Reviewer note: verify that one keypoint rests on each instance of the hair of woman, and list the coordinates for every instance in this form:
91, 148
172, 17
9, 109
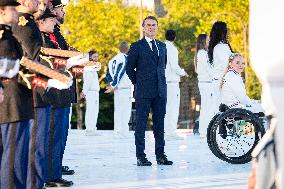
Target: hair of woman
200, 44
231, 58
219, 33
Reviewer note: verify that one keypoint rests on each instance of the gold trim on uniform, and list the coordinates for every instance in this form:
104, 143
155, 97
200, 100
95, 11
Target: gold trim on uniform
22, 21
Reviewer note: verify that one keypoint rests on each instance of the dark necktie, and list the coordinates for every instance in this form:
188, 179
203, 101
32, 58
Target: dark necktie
154, 48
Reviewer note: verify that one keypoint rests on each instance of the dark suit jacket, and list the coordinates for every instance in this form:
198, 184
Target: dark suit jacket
149, 77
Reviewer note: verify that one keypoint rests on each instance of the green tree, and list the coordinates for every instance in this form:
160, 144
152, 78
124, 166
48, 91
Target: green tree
101, 26
192, 17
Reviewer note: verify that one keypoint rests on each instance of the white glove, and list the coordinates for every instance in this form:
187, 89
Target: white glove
14, 71
93, 68
77, 60
3, 66
54, 83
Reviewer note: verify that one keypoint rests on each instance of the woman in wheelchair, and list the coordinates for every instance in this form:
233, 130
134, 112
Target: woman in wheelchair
233, 91
233, 133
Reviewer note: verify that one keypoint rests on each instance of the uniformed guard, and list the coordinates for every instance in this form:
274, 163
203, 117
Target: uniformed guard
57, 9
28, 34
16, 110
46, 24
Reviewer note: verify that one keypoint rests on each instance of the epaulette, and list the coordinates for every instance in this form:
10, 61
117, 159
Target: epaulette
22, 21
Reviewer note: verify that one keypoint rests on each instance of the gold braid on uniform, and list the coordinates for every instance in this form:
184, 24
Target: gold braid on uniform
47, 59
69, 73
25, 78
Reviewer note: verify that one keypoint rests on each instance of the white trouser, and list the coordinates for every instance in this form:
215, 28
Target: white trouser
122, 110
172, 107
206, 111
216, 95
92, 110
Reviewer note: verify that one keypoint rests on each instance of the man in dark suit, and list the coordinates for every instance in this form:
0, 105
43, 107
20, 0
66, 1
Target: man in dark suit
146, 63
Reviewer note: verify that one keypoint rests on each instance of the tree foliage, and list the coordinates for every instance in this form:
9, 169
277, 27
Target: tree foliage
103, 25
192, 17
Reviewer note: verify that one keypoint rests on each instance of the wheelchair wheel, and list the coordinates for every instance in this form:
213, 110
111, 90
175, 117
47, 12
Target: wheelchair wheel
234, 134
210, 141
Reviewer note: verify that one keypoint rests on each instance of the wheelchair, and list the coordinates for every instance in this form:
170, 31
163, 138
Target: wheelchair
233, 133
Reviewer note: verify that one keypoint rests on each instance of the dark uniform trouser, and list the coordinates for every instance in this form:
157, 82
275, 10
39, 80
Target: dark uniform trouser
14, 163
143, 106
55, 144
38, 157
65, 129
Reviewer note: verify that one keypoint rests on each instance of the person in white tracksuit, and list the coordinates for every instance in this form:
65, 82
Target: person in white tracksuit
173, 73
121, 85
219, 51
204, 70
233, 91
90, 91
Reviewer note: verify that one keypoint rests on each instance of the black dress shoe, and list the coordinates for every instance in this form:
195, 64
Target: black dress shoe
67, 171
164, 161
143, 162
59, 183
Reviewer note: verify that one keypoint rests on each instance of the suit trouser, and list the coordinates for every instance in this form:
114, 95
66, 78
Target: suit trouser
206, 111
65, 129
172, 108
143, 106
38, 156
92, 110
122, 110
14, 162
55, 144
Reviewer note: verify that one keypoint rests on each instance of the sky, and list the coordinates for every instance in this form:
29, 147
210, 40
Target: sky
147, 3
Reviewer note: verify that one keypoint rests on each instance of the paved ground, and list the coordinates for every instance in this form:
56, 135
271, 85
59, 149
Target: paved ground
106, 162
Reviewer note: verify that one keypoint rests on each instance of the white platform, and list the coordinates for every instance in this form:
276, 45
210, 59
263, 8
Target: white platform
106, 162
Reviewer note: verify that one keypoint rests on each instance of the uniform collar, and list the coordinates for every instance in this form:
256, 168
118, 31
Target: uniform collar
5, 27
57, 26
5, 30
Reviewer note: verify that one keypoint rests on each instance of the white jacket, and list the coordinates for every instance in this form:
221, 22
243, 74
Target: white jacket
91, 81
173, 70
221, 54
116, 74
203, 67
233, 90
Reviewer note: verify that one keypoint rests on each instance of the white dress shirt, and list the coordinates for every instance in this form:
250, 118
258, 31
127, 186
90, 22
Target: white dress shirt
221, 54
203, 67
150, 44
173, 70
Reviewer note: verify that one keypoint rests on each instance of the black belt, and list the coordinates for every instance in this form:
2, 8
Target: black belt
3, 79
